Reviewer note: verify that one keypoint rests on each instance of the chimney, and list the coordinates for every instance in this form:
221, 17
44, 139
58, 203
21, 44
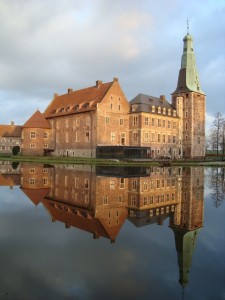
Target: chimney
12, 123
98, 83
55, 95
115, 79
162, 98
70, 91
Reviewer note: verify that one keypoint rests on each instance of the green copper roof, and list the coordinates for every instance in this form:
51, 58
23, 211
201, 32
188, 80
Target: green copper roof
188, 76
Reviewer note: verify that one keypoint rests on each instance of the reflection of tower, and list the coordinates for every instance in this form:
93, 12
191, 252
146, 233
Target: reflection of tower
190, 219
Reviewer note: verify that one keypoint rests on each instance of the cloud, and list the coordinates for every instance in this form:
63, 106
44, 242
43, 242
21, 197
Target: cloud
48, 46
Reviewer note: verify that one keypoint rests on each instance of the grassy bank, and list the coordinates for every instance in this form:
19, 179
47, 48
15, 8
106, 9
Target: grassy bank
111, 162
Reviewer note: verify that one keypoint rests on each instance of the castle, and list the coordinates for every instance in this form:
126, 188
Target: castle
98, 121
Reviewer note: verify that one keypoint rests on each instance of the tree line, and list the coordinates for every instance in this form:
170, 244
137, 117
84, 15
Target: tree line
215, 138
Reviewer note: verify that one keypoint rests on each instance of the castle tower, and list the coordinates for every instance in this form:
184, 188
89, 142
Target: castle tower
189, 100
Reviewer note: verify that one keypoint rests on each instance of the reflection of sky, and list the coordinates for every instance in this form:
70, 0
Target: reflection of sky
43, 260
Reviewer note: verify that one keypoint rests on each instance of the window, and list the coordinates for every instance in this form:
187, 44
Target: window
146, 121
121, 122
33, 135
88, 121
45, 146
169, 139
134, 184
164, 111
76, 182
159, 138
158, 183
159, 123
45, 135
77, 122
151, 184
32, 181
159, 110
107, 120
153, 121
105, 200
145, 185
112, 184
86, 183
199, 140
146, 137
153, 108
32, 170
87, 136
164, 124
122, 183
45, 180
151, 200
164, 138
135, 121
32, 146
113, 136
133, 200
135, 137
174, 139
153, 137
168, 124
145, 200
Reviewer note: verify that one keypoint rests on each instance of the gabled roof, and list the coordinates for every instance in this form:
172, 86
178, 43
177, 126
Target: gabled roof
10, 131
37, 120
78, 101
36, 195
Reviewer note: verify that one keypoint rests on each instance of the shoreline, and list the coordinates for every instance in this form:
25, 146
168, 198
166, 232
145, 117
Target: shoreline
112, 162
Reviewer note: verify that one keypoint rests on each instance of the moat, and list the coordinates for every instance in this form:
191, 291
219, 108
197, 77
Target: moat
91, 232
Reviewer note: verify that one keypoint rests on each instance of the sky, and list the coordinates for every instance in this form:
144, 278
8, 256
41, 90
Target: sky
50, 46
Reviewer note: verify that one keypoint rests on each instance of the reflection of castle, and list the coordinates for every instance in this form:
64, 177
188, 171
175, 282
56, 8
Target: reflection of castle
100, 199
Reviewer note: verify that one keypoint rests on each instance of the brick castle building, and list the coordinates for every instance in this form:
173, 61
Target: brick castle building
98, 121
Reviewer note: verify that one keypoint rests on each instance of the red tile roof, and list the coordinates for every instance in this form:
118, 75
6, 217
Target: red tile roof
36, 195
10, 131
37, 120
81, 100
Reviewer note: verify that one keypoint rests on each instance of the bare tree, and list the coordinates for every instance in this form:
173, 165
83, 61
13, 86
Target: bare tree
217, 131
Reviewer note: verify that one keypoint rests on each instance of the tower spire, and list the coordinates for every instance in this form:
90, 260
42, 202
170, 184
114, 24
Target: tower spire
188, 76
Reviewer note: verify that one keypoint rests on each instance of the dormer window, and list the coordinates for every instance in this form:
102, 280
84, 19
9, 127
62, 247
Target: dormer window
76, 107
174, 113
159, 110
86, 105
61, 109
169, 112
153, 108
68, 108
134, 107
164, 111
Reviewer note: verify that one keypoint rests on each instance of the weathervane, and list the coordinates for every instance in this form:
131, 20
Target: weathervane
187, 26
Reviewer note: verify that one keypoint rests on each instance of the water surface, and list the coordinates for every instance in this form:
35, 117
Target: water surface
85, 232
